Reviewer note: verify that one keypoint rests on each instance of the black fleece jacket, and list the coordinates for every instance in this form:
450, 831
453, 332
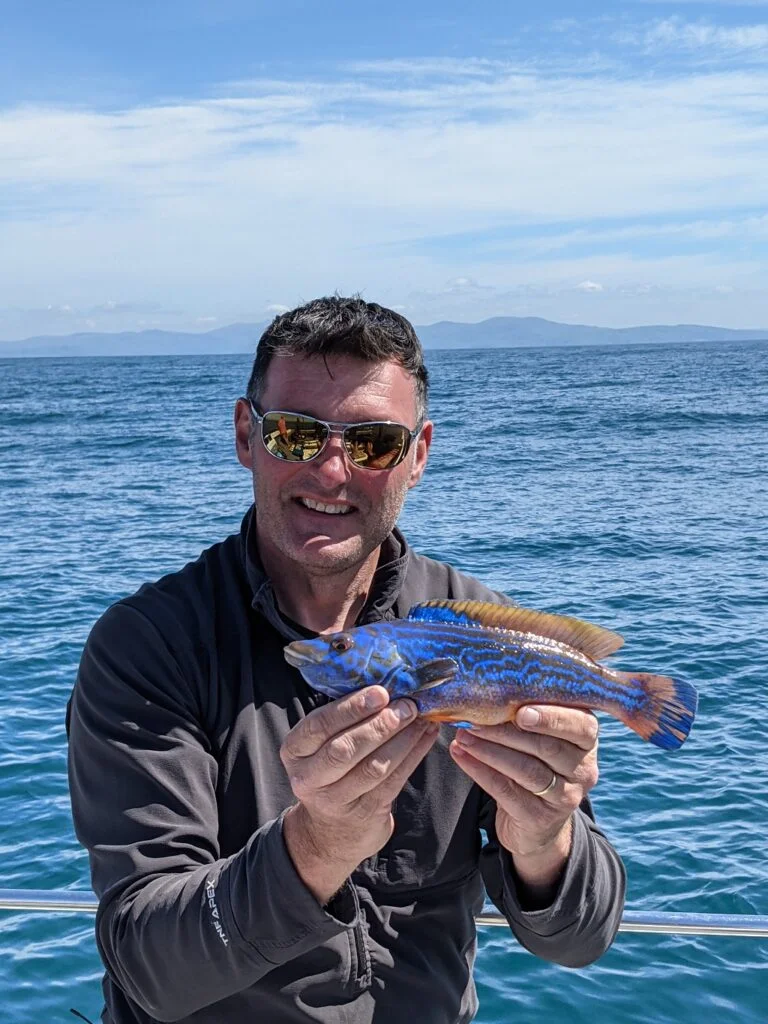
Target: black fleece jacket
182, 700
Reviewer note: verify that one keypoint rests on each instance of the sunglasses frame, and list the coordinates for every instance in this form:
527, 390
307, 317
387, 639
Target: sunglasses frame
336, 427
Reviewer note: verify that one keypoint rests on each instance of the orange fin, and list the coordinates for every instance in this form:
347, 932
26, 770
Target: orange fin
594, 641
665, 716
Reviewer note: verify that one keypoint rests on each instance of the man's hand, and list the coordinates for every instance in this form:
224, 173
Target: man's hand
538, 770
346, 762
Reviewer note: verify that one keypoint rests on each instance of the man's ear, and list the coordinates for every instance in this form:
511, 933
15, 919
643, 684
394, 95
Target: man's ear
243, 424
423, 441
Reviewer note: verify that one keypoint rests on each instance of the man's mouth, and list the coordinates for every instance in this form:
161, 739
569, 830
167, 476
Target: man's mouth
331, 508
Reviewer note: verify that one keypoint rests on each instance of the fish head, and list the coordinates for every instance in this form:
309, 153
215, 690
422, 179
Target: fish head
338, 663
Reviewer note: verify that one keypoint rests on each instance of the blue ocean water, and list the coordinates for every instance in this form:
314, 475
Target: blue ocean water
624, 485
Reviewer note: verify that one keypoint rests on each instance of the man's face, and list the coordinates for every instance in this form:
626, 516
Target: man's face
369, 501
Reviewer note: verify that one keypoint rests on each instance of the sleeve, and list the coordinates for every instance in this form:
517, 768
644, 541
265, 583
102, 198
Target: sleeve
178, 926
584, 917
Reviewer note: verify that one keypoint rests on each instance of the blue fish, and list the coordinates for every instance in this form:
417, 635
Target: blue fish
473, 663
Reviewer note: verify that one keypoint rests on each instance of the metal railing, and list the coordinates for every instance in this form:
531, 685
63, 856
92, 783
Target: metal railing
62, 901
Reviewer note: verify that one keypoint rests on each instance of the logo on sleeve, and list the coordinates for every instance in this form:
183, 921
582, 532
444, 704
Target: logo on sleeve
210, 895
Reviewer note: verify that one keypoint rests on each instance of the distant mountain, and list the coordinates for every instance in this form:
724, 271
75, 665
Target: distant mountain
519, 331
498, 332
234, 339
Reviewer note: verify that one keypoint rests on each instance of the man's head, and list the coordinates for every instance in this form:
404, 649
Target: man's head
341, 326
341, 361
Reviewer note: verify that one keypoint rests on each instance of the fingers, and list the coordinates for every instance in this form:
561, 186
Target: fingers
385, 769
348, 749
510, 782
320, 725
551, 754
501, 786
529, 773
573, 725
563, 748
360, 755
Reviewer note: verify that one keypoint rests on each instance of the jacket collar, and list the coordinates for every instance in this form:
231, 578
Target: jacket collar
387, 580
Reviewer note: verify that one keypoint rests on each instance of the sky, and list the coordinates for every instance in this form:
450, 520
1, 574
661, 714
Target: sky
186, 165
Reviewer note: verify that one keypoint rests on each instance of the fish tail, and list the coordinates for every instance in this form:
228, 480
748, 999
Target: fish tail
665, 711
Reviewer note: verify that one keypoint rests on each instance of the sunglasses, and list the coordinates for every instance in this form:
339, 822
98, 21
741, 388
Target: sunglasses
296, 437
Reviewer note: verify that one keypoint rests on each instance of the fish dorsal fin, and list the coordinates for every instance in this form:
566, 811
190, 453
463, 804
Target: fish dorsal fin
594, 641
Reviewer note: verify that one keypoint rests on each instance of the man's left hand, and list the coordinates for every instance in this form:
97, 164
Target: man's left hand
538, 770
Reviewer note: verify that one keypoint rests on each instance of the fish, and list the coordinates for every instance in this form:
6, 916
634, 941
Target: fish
475, 663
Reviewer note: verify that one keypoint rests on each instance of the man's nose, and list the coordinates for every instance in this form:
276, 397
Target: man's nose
332, 464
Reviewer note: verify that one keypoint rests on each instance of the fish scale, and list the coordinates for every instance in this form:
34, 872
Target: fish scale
479, 654
521, 669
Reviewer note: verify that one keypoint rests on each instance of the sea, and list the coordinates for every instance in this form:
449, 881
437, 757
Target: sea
624, 485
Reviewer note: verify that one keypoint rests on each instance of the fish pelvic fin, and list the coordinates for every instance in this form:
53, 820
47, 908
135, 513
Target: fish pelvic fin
666, 715
594, 641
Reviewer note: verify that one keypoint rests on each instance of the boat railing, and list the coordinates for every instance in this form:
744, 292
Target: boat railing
65, 901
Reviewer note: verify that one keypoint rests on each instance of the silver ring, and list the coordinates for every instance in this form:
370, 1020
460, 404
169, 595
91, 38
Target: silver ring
549, 788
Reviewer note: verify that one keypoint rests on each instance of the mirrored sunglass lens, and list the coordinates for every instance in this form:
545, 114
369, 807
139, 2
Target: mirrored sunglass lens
291, 437
376, 445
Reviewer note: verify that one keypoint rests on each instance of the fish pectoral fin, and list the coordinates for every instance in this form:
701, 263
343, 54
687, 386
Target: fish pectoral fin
434, 673
594, 641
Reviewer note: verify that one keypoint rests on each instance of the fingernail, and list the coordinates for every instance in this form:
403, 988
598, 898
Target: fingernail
404, 709
465, 738
528, 717
375, 698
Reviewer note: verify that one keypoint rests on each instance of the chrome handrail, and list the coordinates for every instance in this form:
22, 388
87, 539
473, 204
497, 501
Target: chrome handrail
660, 923
50, 901
65, 901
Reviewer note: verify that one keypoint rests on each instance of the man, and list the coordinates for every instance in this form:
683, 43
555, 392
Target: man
261, 853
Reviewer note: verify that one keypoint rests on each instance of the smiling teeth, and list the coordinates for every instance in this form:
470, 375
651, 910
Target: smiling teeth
318, 506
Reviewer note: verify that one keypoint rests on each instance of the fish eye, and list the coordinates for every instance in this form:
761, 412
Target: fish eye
342, 643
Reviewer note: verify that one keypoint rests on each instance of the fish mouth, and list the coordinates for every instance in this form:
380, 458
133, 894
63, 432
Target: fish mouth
300, 653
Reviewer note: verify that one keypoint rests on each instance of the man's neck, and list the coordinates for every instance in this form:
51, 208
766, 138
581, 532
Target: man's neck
324, 603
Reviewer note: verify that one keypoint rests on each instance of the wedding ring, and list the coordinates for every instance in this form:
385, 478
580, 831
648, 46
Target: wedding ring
549, 788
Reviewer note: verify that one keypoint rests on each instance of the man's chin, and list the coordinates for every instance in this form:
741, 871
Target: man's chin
332, 554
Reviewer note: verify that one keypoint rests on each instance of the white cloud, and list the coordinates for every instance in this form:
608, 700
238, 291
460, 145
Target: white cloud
677, 33
455, 67
622, 237
429, 171
589, 286
465, 286
299, 188
634, 302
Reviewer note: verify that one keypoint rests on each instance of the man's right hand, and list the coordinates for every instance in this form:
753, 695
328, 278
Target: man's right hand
346, 762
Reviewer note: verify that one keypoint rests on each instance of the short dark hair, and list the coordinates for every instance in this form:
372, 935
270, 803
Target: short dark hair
335, 325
